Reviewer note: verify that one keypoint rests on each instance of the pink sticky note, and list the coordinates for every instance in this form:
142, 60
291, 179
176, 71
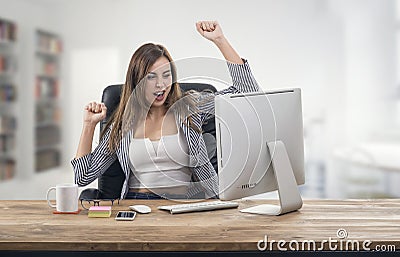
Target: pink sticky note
100, 208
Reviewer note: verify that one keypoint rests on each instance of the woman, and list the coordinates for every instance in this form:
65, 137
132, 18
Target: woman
155, 132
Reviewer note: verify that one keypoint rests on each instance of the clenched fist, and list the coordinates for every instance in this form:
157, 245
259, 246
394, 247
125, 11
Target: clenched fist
94, 113
210, 30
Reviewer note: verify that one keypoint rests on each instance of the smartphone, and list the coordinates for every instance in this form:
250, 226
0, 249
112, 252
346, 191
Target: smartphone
125, 215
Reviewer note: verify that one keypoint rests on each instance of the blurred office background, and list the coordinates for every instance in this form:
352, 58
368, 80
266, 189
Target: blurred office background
57, 55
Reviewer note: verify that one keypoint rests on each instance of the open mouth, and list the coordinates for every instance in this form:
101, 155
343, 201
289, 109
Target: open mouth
159, 95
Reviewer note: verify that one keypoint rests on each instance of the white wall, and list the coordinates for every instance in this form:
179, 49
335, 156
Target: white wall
312, 44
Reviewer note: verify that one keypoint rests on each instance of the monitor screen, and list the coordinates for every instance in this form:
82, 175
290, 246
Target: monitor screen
255, 133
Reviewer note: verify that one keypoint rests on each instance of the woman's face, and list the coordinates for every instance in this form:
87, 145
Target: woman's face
158, 82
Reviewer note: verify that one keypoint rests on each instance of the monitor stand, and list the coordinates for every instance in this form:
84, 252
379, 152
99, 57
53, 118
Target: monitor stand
289, 196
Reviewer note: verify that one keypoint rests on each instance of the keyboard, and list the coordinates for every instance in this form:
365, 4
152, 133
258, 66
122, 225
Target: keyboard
200, 206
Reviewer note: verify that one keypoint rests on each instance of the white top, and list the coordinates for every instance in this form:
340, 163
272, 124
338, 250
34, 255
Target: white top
161, 163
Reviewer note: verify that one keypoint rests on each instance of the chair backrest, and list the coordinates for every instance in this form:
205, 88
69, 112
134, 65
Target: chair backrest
110, 183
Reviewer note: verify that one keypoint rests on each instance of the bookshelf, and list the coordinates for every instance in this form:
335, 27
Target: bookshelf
47, 100
8, 97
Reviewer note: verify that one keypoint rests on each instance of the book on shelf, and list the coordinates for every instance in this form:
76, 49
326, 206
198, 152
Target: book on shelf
99, 212
8, 31
7, 169
8, 124
48, 135
2, 63
47, 158
47, 67
46, 88
48, 43
7, 143
7, 64
8, 92
47, 113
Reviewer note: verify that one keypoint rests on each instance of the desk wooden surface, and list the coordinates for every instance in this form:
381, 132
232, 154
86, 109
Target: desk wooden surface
30, 225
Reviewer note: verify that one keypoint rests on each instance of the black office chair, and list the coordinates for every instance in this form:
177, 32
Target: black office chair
110, 183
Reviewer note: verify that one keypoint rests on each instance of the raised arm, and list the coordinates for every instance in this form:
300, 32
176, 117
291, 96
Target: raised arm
242, 78
212, 31
88, 165
93, 114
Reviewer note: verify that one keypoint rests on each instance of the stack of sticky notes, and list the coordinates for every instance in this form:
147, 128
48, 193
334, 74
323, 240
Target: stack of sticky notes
99, 212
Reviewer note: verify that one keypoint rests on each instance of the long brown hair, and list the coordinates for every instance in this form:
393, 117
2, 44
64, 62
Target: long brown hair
133, 106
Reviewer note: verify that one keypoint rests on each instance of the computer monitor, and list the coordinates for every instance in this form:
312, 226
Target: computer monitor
260, 147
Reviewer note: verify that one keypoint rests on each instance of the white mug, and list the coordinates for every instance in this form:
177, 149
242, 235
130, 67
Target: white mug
66, 197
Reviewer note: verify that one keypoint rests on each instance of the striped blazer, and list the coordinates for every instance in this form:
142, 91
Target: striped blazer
204, 178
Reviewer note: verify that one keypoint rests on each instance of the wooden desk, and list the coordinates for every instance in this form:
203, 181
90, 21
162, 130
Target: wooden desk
30, 225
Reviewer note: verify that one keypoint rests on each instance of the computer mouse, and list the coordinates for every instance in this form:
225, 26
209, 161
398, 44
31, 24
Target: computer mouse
140, 208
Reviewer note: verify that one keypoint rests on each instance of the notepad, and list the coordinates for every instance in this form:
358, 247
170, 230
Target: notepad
99, 212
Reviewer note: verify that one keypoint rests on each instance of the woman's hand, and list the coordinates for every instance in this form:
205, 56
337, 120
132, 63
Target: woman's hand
211, 30
94, 113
